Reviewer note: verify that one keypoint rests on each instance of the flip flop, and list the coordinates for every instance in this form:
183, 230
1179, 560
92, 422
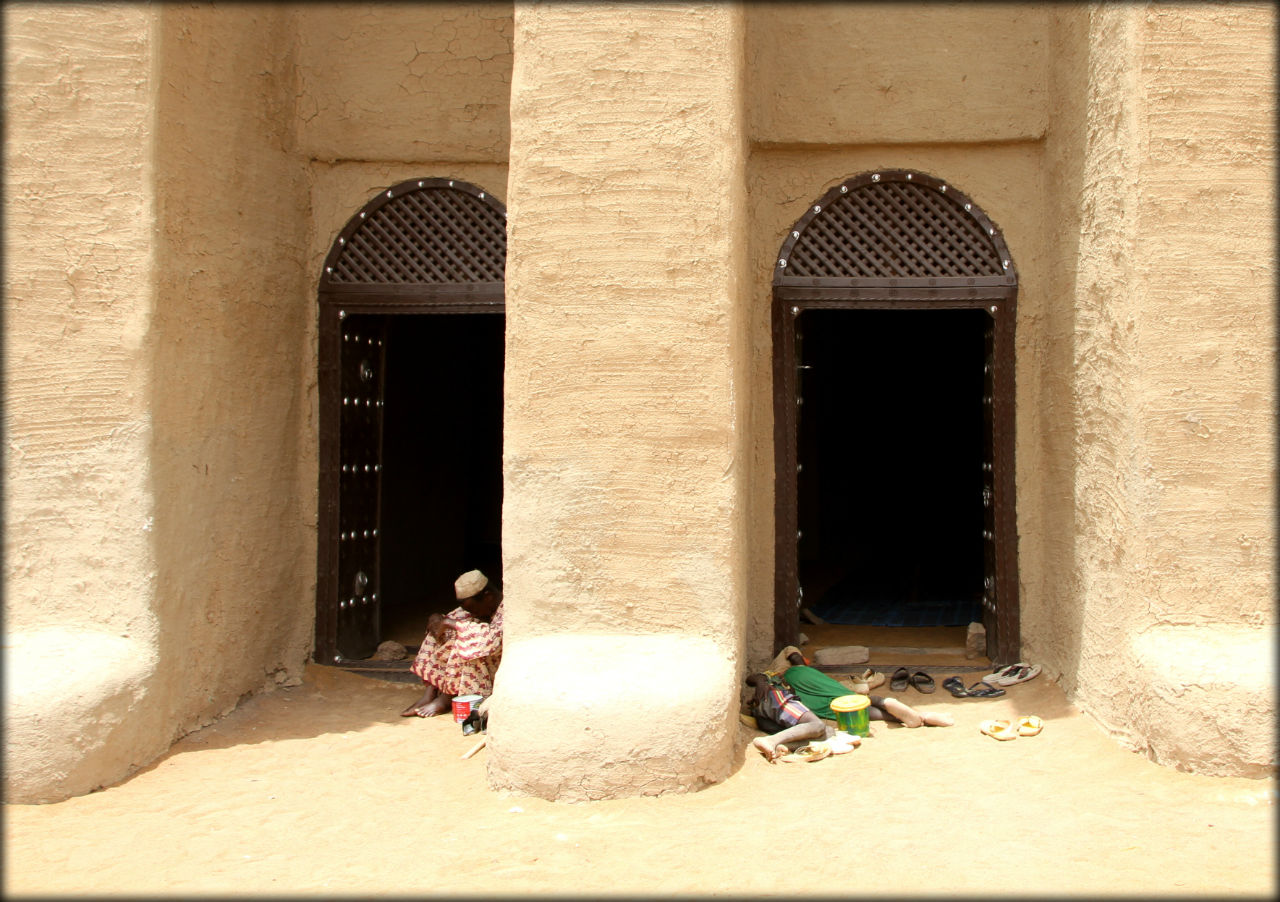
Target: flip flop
1000, 673
1020, 674
984, 690
1029, 725
900, 680
999, 729
840, 743
923, 682
808, 754
955, 687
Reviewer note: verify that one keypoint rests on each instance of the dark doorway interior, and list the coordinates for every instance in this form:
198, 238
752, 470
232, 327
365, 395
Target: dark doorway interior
441, 504
890, 445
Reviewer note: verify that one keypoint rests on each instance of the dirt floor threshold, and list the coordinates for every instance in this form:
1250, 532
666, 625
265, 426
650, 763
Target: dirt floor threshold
278, 797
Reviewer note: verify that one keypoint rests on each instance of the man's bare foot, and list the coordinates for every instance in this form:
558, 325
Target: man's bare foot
909, 716
412, 710
937, 719
438, 705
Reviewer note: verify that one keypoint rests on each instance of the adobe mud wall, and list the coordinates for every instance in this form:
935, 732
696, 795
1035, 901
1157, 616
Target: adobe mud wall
161, 360
175, 177
227, 338
156, 343
623, 511
1162, 165
79, 512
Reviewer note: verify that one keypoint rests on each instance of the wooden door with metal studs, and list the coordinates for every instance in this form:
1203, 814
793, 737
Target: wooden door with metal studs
900, 240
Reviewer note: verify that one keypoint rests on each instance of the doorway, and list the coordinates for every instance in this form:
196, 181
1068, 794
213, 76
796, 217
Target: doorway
894, 310
411, 358
889, 453
441, 487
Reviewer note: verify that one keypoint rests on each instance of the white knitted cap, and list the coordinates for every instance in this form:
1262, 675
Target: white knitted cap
470, 584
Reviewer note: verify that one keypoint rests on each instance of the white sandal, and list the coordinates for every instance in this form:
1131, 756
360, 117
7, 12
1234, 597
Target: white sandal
1029, 725
999, 729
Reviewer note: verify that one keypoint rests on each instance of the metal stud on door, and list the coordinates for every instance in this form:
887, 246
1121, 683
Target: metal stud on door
990, 599
359, 494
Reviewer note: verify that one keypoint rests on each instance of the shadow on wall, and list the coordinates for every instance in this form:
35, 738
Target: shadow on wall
233, 556
1053, 621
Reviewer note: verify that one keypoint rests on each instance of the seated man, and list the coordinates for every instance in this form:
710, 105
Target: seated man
778, 712
816, 691
461, 651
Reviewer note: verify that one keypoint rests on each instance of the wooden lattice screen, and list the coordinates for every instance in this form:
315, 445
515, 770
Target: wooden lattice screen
423, 231
894, 228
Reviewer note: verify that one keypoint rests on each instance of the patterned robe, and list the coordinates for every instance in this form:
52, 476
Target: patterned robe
465, 662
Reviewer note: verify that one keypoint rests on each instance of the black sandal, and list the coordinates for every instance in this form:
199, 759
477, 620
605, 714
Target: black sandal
955, 687
923, 682
984, 690
900, 680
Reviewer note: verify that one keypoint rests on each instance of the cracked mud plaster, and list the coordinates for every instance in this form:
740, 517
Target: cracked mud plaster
405, 82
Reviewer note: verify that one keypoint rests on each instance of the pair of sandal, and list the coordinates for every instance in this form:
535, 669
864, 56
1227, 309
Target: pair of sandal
981, 689
1004, 730
902, 678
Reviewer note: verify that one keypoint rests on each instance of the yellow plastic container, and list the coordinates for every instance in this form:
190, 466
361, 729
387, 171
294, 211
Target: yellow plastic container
852, 714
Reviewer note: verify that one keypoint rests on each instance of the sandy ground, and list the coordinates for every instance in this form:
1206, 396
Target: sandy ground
323, 789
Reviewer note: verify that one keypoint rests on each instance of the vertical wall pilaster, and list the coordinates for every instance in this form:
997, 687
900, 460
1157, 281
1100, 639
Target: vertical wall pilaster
1171, 167
626, 350
79, 556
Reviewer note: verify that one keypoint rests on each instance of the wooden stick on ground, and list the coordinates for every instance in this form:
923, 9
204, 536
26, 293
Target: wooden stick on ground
475, 748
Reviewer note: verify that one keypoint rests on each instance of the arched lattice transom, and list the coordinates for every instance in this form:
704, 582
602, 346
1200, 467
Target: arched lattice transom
423, 231
893, 225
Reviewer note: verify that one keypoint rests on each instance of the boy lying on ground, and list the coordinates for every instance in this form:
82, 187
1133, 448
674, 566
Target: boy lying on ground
816, 691
790, 706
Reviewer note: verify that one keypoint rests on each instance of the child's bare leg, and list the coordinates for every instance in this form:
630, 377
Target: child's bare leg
809, 727
908, 715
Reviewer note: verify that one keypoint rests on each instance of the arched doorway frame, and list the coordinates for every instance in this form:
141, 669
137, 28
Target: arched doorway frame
422, 246
893, 240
